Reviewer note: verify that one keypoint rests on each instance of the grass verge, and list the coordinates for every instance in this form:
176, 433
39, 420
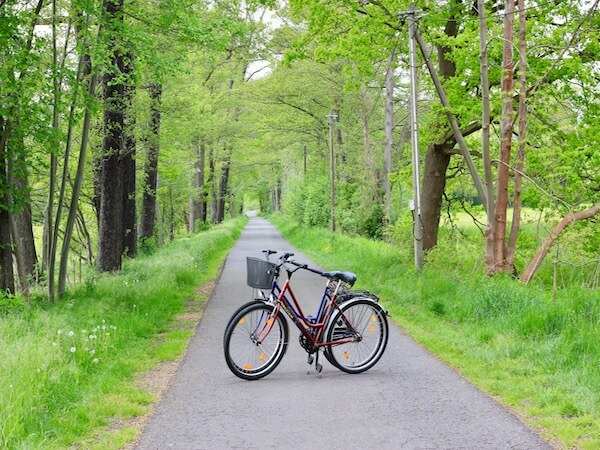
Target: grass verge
68, 370
538, 355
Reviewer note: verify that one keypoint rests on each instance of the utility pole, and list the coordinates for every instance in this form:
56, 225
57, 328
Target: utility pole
416, 207
332, 120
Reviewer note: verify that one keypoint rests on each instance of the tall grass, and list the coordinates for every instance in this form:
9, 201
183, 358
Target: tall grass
535, 350
66, 368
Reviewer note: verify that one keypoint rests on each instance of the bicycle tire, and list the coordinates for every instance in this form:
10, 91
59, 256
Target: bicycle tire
254, 347
369, 319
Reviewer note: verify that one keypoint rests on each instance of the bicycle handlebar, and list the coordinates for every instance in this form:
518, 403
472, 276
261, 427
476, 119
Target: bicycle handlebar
284, 259
305, 267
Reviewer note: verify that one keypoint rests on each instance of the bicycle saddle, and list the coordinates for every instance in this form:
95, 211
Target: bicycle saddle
346, 277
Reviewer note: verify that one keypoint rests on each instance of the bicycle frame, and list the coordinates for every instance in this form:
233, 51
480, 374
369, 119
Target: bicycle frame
311, 327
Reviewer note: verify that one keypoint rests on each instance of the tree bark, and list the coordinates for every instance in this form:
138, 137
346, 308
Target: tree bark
506, 128
198, 201
110, 229
223, 188
437, 158
389, 135
485, 136
128, 165
212, 184
7, 277
518, 177
22, 225
148, 214
537, 260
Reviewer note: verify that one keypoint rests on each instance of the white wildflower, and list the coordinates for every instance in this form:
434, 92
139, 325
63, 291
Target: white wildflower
72, 349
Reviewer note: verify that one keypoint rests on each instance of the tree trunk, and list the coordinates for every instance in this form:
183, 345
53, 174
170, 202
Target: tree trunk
22, 227
223, 188
389, 135
211, 183
506, 127
7, 277
537, 260
437, 158
517, 200
84, 72
198, 201
148, 215
373, 179
485, 136
129, 166
110, 229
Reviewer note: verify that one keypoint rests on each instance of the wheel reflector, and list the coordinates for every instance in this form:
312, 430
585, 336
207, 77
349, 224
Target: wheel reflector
242, 321
247, 366
262, 356
346, 355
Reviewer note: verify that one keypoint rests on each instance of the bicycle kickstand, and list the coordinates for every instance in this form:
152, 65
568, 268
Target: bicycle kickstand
318, 366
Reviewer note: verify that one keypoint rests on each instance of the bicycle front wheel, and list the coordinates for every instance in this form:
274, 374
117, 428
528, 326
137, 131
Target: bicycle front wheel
362, 329
255, 341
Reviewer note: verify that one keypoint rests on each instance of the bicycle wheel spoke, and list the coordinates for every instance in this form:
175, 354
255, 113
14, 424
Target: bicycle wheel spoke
255, 341
366, 321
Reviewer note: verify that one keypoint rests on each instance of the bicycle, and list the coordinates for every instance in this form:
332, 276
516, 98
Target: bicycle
350, 327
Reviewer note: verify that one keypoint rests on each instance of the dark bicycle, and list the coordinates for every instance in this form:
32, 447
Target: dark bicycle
350, 327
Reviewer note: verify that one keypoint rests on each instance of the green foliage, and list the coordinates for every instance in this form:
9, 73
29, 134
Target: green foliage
65, 369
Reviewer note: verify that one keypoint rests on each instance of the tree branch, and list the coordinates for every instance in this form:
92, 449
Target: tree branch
531, 91
537, 260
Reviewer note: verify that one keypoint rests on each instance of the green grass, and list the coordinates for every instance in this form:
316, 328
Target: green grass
67, 369
537, 354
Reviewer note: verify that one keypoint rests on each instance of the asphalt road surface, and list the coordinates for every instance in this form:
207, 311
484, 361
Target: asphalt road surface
409, 400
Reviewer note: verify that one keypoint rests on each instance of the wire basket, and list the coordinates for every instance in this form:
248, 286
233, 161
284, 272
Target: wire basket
260, 273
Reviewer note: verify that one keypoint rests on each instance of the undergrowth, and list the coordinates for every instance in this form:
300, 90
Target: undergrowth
535, 349
66, 368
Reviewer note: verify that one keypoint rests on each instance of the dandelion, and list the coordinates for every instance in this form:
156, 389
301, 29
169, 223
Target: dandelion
91, 337
95, 360
72, 349
59, 332
92, 352
54, 344
71, 334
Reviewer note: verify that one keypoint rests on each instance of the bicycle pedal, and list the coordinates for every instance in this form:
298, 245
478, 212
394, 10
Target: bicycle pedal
310, 359
319, 368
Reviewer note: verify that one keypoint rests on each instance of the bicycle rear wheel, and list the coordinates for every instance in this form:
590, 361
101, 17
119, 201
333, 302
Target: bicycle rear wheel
255, 341
365, 323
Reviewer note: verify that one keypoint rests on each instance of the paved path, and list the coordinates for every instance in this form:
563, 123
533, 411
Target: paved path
409, 400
